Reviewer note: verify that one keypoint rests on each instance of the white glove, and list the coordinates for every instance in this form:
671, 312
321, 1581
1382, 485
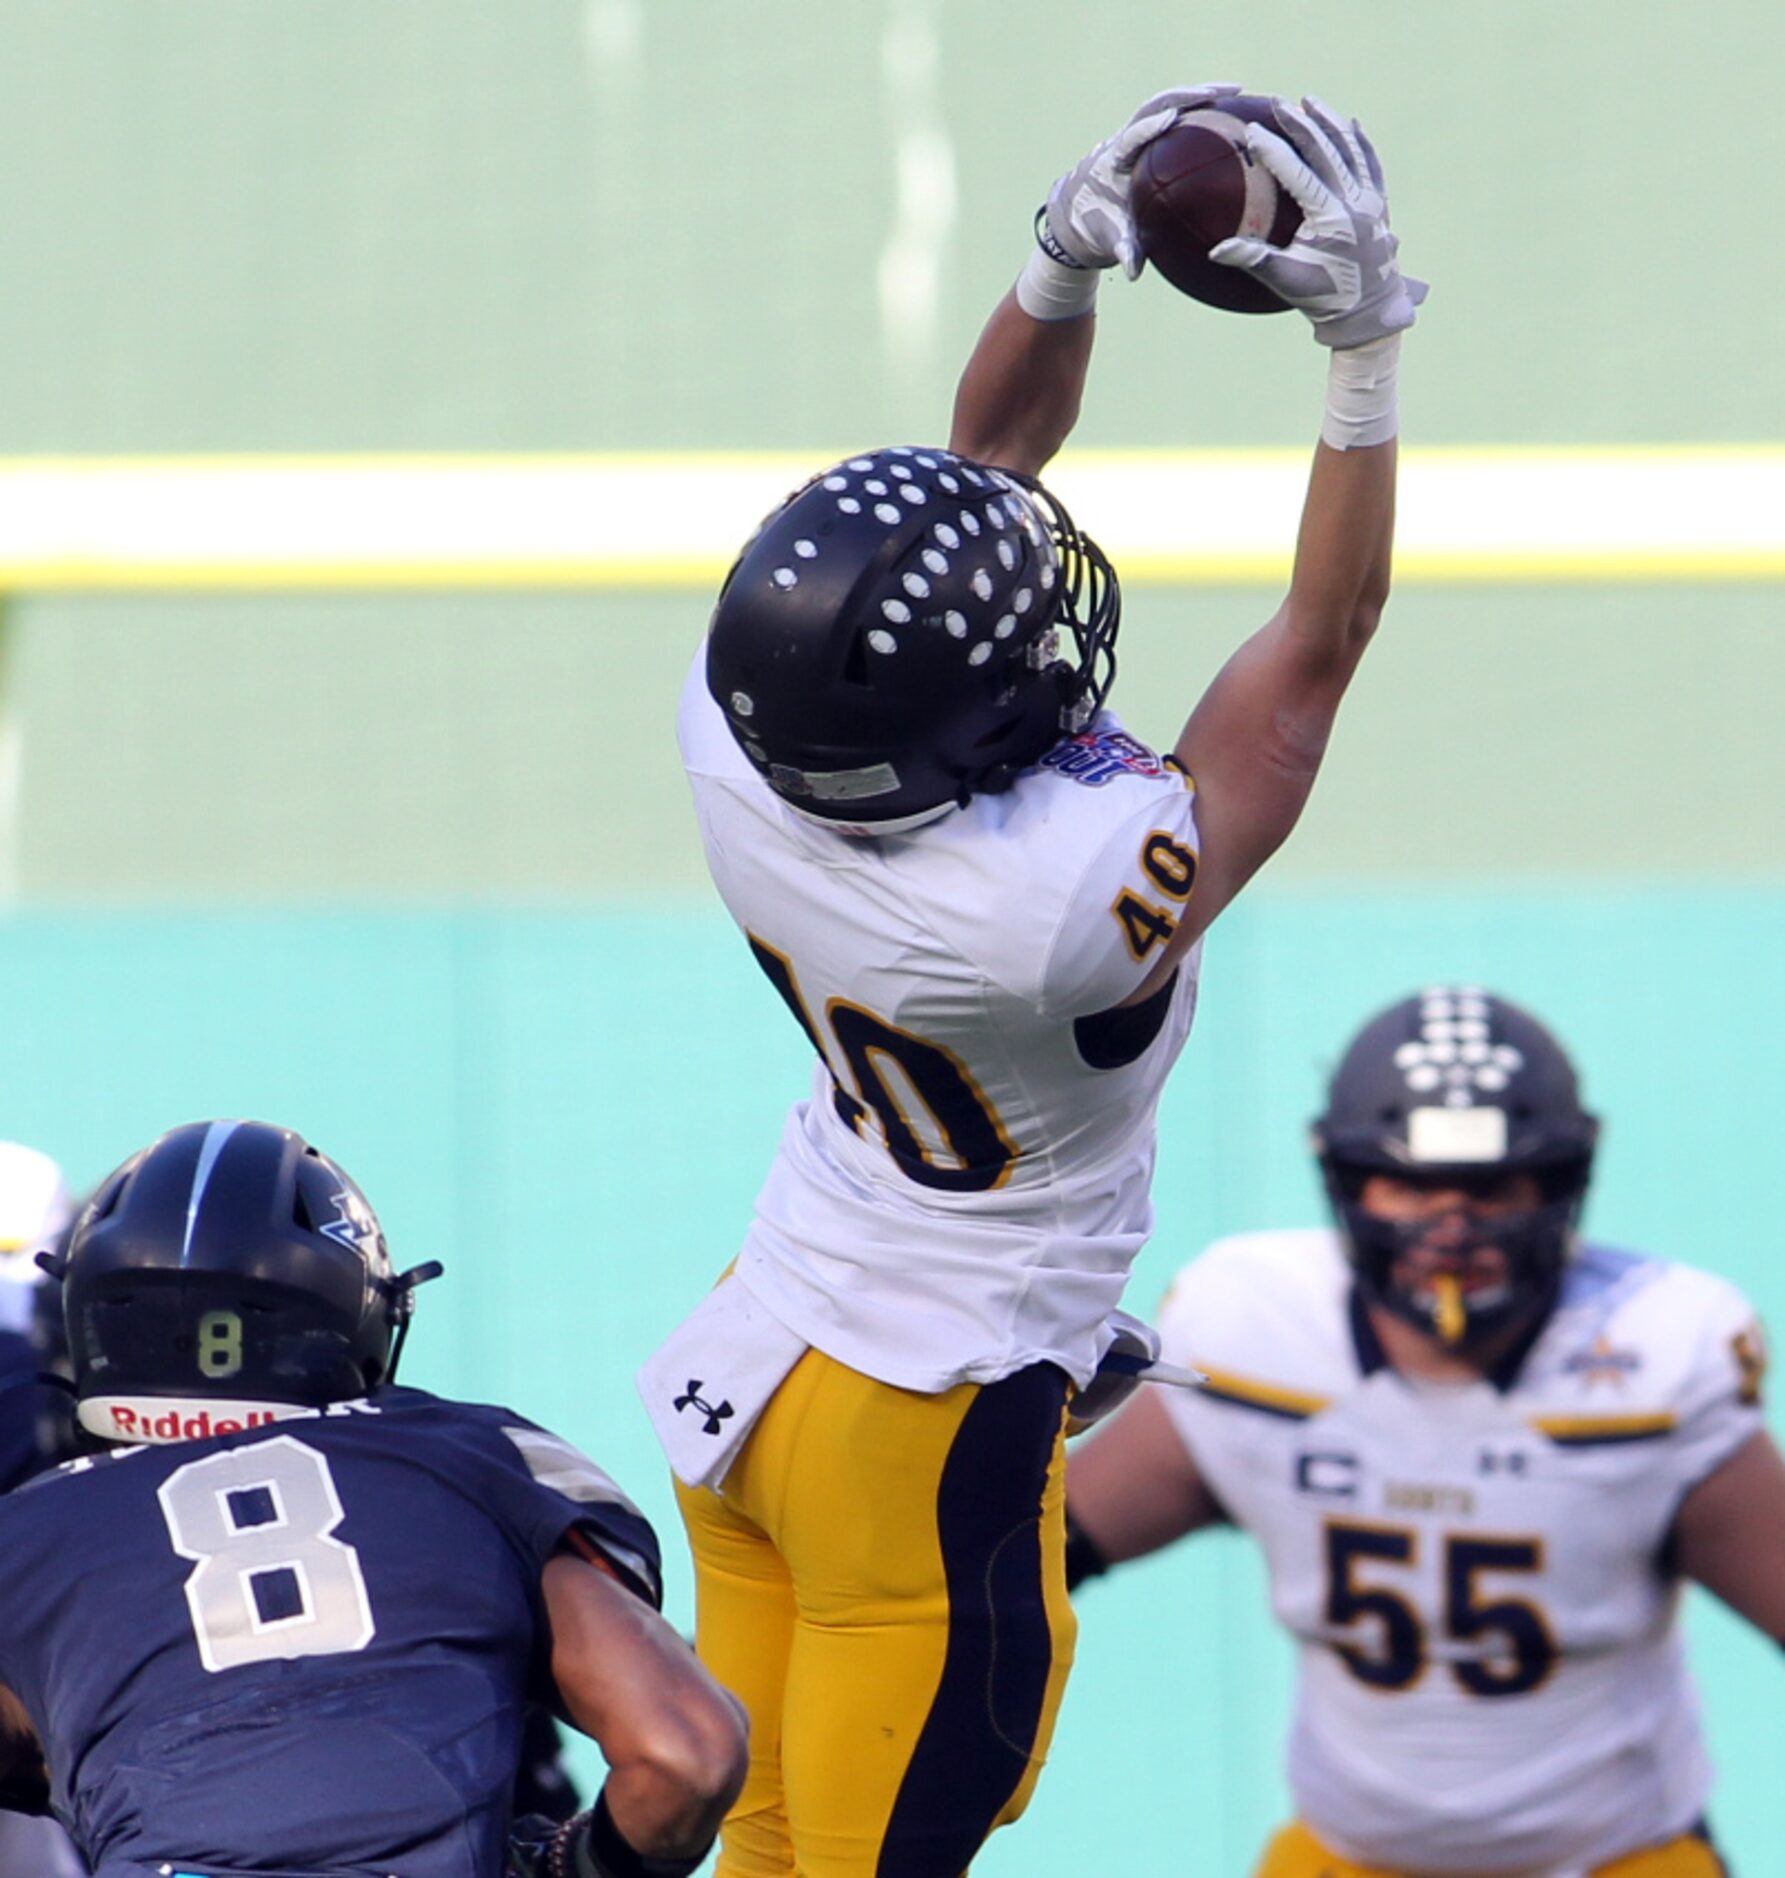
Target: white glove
1133, 1350
1086, 222
1339, 267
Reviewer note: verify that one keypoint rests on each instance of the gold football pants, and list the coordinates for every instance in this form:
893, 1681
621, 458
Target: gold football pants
1296, 1853
881, 1579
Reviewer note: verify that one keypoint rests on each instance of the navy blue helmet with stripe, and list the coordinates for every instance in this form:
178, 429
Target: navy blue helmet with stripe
230, 1260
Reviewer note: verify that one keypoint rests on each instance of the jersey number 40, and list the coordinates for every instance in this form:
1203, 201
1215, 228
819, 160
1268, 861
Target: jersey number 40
934, 1119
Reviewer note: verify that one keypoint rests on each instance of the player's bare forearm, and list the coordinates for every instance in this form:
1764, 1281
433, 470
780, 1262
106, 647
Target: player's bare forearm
1019, 395
1343, 552
675, 1742
1256, 739
1729, 1535
1132, 1487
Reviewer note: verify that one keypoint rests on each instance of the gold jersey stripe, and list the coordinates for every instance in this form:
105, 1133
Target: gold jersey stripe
1583, 1430
1250, 1393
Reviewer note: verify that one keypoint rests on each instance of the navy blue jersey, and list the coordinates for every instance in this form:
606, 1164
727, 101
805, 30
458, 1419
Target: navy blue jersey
18, 1409
302, 1648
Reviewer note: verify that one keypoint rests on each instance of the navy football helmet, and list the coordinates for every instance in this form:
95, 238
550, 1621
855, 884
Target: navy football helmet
1457, 1087
230, 1260
908, 630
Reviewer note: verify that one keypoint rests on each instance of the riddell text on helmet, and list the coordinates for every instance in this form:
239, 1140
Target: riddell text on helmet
194, 1425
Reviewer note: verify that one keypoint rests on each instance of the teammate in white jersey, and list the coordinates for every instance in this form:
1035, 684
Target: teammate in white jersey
1480, 1455
982, 900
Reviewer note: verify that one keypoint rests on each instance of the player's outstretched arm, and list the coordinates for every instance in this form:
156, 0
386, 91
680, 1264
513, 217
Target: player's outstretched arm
1729, 1534
1019, 395
1255, 741
675, 1741
1133, 1487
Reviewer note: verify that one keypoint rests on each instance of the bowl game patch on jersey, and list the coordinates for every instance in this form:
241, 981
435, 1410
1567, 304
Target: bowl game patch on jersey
1096, 757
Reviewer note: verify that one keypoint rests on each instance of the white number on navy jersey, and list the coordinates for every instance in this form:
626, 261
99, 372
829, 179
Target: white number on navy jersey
1520, 1645
269, 1579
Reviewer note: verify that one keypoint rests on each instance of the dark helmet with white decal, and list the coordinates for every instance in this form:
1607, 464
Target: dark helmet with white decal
229, 1261
1458, 1088
908, 630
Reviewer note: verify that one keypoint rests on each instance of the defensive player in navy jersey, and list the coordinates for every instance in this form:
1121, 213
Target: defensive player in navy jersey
288, 1617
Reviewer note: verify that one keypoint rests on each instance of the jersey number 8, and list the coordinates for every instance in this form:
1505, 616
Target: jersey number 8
269, 1579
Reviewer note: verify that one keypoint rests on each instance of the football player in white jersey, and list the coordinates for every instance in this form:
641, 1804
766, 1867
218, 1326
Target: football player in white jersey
1480, 1455
982, 899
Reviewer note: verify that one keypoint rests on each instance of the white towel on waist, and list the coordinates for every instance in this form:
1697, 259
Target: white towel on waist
706, 1385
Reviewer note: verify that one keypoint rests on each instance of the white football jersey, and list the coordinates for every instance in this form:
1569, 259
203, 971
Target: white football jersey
964, 1190
1491, 1675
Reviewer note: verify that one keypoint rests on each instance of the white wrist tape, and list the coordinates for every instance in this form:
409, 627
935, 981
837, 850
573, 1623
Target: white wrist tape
1361, 406
1046, 289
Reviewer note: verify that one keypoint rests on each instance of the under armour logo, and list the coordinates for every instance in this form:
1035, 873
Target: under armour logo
1502, 1461
715, 1413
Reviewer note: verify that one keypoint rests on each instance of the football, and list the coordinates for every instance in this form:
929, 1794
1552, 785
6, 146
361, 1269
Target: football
1196, 185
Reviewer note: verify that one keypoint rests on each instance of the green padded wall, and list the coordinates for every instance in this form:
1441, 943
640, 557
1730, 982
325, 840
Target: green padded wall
659, 224
573, 1111
416, 874
489, 748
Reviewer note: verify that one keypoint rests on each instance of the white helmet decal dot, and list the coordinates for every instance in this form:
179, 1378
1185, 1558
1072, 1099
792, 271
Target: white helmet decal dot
1454, 1051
